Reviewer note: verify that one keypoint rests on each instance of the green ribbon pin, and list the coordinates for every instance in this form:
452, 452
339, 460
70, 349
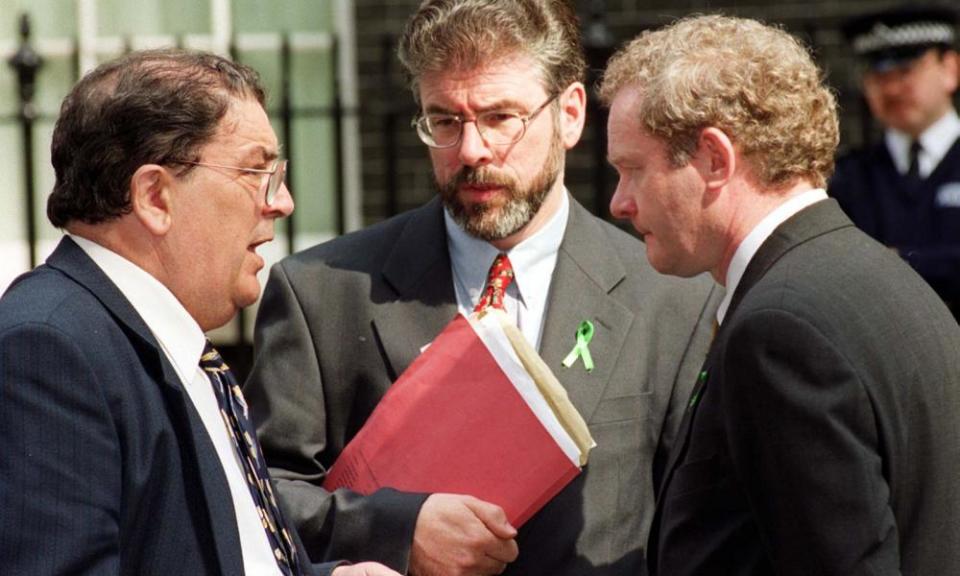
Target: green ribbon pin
581, 349
701, 380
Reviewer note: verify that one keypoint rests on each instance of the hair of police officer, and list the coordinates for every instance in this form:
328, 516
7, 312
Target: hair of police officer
465, 35
149, 107
756, 83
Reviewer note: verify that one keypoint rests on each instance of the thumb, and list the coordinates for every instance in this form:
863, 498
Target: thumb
493, 517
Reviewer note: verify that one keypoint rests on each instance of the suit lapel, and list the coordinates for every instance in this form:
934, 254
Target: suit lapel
213, 480
580, 290
199, 455
815, 220
686, 424
418, 269
676, 454
74, 262
810, 222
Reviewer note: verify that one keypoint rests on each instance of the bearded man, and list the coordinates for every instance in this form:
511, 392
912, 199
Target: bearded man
501, 99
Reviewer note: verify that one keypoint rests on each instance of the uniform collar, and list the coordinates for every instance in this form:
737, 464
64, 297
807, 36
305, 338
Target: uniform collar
935, 142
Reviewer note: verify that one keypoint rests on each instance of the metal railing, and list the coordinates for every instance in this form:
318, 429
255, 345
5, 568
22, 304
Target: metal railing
27, 62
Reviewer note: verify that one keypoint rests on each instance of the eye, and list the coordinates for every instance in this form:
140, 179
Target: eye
494, 118
442, 122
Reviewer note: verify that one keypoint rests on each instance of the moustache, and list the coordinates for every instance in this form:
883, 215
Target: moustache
481, 177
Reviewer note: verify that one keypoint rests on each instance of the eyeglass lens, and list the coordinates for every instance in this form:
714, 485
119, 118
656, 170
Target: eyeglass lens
274, 182
497, 128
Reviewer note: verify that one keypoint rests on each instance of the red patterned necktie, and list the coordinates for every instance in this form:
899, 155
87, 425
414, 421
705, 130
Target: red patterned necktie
498, 279
233, 409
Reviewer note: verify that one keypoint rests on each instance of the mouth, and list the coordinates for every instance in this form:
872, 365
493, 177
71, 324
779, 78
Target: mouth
480, 192
254, 245
252, 248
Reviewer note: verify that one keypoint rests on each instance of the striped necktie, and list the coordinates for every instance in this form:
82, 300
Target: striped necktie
498, 279
233, 410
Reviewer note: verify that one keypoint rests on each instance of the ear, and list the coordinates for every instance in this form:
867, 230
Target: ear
951, 65
151, 198
573, 114
715, 158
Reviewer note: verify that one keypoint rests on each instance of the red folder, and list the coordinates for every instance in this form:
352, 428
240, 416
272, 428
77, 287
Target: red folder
454, 422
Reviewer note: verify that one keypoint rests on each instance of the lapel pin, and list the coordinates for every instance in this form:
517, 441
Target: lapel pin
582, 348
701, 380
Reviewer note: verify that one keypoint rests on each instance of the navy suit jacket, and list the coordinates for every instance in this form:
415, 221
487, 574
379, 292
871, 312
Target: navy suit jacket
106, 467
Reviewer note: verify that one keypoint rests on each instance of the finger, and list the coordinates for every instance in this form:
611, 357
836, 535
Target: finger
487, 565
503, 550
493, 517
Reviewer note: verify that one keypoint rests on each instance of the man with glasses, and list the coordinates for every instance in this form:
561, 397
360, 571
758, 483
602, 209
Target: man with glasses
128, 447
501, 99
905, 190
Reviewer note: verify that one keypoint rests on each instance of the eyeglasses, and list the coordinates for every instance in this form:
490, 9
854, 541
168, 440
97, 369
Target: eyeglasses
495, 127
272, 182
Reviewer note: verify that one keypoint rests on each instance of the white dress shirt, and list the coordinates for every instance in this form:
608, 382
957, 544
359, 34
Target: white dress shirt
748, 248
533, 262
182, 342
935, 142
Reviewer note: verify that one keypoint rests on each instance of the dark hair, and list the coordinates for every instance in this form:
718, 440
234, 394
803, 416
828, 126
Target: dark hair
149, 107
463, 34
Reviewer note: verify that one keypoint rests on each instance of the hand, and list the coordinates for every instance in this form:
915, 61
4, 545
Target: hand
460, 536
364, 569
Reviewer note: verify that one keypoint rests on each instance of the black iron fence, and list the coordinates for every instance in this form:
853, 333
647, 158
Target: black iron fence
396, 170
27, 63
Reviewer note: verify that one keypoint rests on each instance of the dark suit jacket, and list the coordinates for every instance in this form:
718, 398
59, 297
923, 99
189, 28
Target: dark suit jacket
106, 467
339, 323
824, 438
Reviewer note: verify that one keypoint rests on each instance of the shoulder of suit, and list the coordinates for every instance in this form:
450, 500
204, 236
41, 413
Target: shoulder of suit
50, 297
369, 246
618, 243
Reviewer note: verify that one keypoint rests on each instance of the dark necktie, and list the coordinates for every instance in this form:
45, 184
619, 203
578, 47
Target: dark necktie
233, 410
498, 279
913, 170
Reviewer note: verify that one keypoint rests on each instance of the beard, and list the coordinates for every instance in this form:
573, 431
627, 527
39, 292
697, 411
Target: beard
499, 219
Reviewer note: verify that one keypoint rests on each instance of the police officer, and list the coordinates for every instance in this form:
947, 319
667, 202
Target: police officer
905, 190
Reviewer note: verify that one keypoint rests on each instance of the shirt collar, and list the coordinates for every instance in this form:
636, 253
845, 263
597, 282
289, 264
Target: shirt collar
471, 257
178, 333
755, 239
935, 142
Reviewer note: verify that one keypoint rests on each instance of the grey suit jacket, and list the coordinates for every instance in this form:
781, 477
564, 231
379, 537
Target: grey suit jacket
339, 323
824, 437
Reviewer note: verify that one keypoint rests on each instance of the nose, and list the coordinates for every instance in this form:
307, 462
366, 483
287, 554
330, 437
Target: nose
282, 205
622, 206
891, 82
473, 149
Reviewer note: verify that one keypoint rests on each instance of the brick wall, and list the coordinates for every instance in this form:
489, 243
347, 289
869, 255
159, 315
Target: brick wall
402, 180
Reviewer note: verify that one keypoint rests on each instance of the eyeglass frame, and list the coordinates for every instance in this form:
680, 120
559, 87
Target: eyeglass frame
524, 118
273, 181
